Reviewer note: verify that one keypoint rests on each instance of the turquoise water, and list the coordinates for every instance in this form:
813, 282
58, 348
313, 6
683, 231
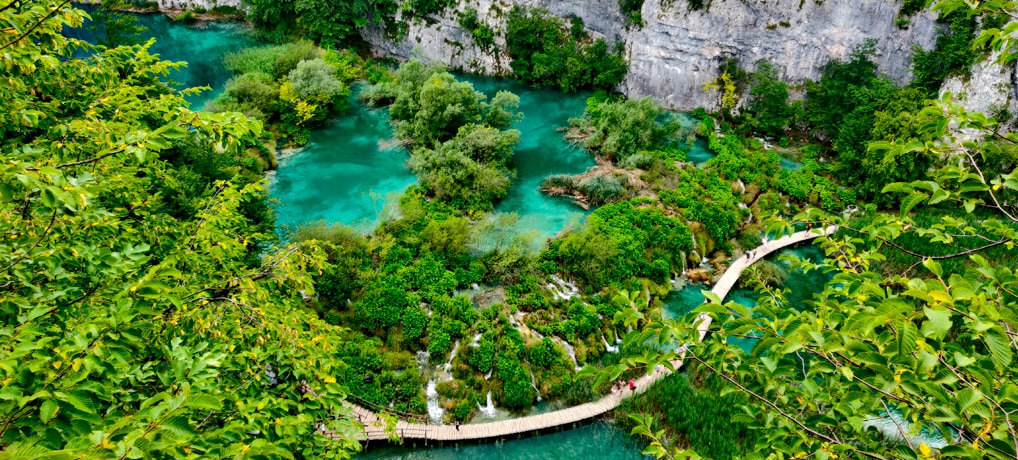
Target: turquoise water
541, 153
800, 284
202, 46
594, 441
801, 287
348, 172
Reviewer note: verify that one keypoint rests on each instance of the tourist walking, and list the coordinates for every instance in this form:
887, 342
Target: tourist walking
457, 425
632, 385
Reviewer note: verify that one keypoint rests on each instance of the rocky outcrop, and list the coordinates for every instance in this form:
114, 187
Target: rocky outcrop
678, 50
990, 88
441, 38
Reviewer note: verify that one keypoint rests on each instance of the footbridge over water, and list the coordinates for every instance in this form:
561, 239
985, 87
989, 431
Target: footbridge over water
418, 428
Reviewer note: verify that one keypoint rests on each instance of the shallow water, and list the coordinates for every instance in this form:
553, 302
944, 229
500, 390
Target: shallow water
541, 153
202, 46
800, 284
594, 441
347, 173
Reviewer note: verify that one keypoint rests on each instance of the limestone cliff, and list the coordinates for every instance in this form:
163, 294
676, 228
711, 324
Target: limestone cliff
990, 88
678, 50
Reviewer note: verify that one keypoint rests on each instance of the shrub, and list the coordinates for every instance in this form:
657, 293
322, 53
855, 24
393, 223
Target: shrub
276, 61
315, 81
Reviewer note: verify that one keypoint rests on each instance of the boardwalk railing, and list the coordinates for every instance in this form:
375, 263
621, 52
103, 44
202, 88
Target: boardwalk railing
407, 430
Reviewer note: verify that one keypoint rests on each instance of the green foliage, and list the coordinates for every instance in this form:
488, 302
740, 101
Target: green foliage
617, 130
544, 54
114, 28
484, 35
430, 106
130, 330
701, 418
621, 241
276, 61
545, 353
315, 81
632, 9
952, 55
328, 23
767, 107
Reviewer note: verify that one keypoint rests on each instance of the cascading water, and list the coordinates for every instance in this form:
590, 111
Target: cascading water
561, 289
476, 342
488, 410
569, 351
533, 383
435, 410
607, 347
448, 364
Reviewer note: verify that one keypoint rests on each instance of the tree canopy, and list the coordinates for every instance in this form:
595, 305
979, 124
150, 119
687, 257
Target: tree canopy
145, 310
889, 360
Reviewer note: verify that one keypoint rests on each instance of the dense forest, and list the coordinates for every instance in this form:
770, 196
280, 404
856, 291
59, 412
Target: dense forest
152, 308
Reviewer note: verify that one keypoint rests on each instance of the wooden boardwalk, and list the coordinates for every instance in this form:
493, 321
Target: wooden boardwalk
374, 428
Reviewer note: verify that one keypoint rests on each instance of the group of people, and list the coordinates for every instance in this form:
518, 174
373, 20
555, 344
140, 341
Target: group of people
620, 387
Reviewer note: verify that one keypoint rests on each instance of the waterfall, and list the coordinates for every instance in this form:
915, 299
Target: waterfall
742, 185
607, 347
488, 375
533, 383
422, 358
448, 364
435, 411
562, 289
569, 351
477, 341
489, 410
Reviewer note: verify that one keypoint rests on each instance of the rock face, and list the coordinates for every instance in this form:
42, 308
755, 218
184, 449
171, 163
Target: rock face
442, 39
990, 88
678, 50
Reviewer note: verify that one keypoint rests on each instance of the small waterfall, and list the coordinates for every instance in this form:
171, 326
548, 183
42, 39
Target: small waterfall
422, 358
569, 351
488, 375
742, 185
477, 341
435, 410
561, 289
489, 410
533, 383
607, 347
448, 364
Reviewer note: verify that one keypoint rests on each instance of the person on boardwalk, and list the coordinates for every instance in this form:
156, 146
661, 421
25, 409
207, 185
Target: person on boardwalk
457, 425
632, 385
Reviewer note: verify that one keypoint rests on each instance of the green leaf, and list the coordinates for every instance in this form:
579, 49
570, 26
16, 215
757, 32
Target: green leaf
1000, 348
907, 336
48, 410
939, 321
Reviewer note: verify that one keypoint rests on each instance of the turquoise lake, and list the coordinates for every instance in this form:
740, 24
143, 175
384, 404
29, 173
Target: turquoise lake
349, 171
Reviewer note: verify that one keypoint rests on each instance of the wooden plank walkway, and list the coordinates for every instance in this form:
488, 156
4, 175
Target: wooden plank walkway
374, 428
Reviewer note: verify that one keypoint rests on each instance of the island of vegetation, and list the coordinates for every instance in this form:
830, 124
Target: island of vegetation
151, 307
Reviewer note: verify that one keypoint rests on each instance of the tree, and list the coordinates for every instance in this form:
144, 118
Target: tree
130, 331
884, 356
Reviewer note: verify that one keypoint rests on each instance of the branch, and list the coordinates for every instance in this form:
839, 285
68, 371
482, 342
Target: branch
922, 256
82, 162
784, 414
45, 233
36, 26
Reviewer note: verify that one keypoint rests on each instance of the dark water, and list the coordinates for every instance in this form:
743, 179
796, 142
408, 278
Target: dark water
202, 46
595, 441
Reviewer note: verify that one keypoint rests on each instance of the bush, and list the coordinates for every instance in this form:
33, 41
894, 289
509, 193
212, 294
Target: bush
315, 81
276, 61
544, 54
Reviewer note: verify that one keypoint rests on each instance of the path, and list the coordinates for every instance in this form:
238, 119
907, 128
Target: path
374, 427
